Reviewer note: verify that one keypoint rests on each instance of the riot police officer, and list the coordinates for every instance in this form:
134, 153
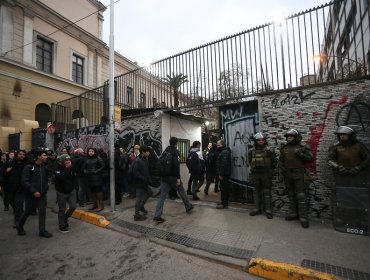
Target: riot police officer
293, 155
262, 161
349, 158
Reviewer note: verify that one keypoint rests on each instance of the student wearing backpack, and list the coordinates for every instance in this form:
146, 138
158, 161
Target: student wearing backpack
195, 164
169, 166
140, 181
210, 156
35, 181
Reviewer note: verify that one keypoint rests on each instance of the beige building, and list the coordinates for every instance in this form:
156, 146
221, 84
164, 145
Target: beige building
48, 54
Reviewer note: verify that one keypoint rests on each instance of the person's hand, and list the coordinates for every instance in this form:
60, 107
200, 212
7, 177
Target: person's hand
9, 169
37, 194
178, 182
342, 169
354, 170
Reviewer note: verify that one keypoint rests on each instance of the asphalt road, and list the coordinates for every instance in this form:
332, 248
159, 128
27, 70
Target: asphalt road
90, 252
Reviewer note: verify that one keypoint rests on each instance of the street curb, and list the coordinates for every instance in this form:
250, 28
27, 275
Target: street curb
281, 271
90, 218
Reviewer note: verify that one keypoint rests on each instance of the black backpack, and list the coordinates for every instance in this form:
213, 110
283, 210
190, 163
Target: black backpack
192, 162
165, 164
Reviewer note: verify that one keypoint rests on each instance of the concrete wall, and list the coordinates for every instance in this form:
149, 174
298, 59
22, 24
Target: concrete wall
316, 112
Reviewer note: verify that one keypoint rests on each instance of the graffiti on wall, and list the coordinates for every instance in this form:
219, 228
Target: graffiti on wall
239, 122
316, 113
98, 138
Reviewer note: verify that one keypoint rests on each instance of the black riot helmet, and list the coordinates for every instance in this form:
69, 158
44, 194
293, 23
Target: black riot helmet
346, 130
295, 133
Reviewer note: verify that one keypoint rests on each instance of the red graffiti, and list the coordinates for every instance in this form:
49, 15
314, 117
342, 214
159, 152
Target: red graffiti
298, 114
315, 114
317, 130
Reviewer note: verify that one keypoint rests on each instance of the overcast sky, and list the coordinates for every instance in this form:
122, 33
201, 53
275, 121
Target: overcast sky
149, 30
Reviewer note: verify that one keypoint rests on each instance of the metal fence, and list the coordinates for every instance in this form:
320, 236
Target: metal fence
273, 56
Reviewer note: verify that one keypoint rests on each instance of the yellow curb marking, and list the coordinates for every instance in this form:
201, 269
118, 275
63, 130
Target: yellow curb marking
91, 218
281, 271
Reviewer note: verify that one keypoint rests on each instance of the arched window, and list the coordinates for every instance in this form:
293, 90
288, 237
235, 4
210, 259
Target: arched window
77, 114
42, 114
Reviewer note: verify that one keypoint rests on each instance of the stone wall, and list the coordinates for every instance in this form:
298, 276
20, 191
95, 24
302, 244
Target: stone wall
316, 112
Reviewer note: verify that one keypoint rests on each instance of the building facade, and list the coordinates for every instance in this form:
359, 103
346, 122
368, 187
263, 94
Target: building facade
49, 51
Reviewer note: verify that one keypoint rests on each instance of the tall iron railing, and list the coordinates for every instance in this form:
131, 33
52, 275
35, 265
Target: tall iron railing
273, 56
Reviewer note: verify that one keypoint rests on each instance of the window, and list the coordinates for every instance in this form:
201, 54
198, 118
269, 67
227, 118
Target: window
77, 69
129, 96
183, 147
142, 100
44, 55
42, 114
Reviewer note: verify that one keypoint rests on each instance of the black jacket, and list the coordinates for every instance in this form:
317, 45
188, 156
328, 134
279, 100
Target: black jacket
64, 179
13, 178
35, 179
175, 170
140, 170
223, 162
93, 170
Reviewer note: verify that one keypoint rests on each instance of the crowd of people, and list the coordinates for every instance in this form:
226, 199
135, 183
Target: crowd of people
83, 176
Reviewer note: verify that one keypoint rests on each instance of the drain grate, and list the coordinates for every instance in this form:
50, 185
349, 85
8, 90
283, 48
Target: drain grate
343, 272
187, 241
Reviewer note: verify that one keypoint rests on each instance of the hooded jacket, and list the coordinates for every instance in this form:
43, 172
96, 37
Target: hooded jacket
35, 179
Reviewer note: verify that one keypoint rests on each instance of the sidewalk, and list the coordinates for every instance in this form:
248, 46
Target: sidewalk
235, 236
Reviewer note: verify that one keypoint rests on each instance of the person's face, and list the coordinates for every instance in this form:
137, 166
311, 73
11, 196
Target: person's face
137, 151
64, 152
67, 163
21, 155
209, 145
43, 157
146, 154
3, 157
260, 142
11, 155
218, 144
91, 152
344, 137
290, 138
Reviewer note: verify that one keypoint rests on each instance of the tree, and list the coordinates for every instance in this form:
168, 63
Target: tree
175, 81
231, 83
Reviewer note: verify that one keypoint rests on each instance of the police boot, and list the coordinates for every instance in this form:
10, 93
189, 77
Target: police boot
292, 206
268, 206
302, 207
257, 201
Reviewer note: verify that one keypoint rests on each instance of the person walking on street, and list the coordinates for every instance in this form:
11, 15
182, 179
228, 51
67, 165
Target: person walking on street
13, 174
293, 155
171, 180
262, 162
35, 181
210, 157
65, 185
195, 164
140, 181
223, 167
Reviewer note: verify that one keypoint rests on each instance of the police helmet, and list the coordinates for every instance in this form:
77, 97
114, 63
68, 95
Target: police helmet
258, 136
348, 131
345, 130
295, 133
